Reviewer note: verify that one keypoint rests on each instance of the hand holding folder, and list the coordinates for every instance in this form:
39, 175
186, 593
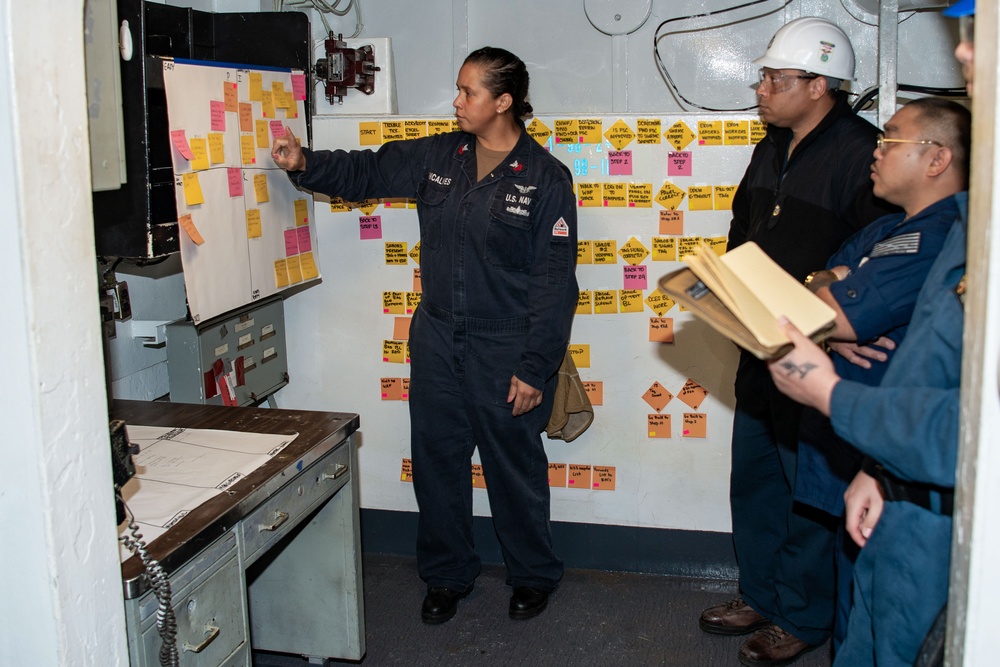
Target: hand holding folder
741, 295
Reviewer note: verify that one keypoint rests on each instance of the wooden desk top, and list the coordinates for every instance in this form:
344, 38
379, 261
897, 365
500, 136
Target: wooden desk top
319, 433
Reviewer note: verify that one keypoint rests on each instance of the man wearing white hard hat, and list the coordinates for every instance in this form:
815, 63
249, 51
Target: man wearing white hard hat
909, 426
806, 190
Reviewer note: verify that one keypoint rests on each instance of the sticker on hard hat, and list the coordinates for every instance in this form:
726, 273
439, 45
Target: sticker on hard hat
825, 48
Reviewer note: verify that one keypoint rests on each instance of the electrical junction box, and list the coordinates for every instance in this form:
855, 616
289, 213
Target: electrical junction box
235, 360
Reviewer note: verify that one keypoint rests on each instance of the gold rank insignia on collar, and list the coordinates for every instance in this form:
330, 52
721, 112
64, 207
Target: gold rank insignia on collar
960, 289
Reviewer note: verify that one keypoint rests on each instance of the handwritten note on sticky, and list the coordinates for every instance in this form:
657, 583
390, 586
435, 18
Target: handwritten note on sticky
679, 163
299, 86
557, 475
217, 114
595, 391
308, 264
248, 154
254, 230
303, 238
606, 302
246, 117
695, 425
371, 227
579, 476
658, 426
395, 253
256, 85
659, 302
392, 351
692, 394
604, 478
620, 163
294, 270
199, 154
260, 188
657, 396
392, 302
235, 177
260, 134
580, 355
187, 224
634, 277
301, 207
291, 243
192, 190
585, 303
229, 97
280, 273
277, 128
180, 143
216, 148
672, 222
478, 478
406, 471
392, 389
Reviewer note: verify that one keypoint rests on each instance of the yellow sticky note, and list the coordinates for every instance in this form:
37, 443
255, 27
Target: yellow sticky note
758, 130
679, 135
415, 253
199, 153
393, 351
588, 194
585, 303
438, 127
392, 130
584, 252
687, 245
308, 263
294, 270
412, 301
254, 230
724, 197
590, 130
700, 198
369, 133
709, 132
580, 355
260, 188
670, 196
267, 104
630, 301
620, 134
192, 190
640, 195
280, 273
248, 154
216, 148
736, 132
414, 129
660, 303
647, 130
567, 132
255, 86
633, 252
717, 244
393, 302
664, 249
539, 131
301, 207
615, 194
261, 133
605, 302
395, 253
605, 251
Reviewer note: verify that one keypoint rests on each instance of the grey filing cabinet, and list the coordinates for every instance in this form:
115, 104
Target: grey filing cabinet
248, 347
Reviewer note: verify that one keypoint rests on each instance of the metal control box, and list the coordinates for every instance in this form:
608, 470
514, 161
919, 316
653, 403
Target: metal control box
235, 360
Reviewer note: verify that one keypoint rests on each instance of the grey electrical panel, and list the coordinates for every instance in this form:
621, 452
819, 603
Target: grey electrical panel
235, 360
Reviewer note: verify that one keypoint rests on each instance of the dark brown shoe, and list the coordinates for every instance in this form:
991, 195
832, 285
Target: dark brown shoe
735, 617
772, 647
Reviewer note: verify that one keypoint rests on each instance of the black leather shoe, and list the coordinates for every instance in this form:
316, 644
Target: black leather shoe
527, 603
440, 604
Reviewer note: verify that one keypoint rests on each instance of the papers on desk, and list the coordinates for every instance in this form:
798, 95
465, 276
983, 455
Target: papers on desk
178, 469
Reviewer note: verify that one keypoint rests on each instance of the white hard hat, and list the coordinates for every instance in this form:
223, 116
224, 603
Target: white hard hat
811, 44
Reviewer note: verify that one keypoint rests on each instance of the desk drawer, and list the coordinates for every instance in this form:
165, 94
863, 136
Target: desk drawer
210, 622
283, 511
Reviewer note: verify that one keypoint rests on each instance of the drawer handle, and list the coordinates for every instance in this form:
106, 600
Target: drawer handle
211, 632
338, 472
279, 518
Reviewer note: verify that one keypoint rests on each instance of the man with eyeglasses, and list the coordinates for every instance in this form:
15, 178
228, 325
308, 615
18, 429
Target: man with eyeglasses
805, 191
909, 426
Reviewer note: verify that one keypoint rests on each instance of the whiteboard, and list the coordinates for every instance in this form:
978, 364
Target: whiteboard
245, 231
674, 476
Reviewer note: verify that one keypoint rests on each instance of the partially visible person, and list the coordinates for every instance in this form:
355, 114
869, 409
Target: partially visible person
498, 255
872, 284
805, 191
909, 425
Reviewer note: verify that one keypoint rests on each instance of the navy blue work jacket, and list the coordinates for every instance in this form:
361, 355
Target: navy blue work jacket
497, 254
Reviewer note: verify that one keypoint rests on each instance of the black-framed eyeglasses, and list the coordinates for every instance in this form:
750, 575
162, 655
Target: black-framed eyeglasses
881, 140
779, 82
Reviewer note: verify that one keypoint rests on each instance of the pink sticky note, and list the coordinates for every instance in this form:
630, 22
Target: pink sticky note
218, 115
291, 243
679, 163
277, 128
299, 86
620, 163
235, 175
305, 242
634, 277
181, 143
371, 227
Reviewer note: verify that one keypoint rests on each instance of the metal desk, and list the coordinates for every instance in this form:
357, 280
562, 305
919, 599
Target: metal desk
273, 563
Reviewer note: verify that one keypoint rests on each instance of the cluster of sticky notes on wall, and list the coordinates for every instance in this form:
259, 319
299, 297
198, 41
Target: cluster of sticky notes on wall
561, 475
693, 424
247, 231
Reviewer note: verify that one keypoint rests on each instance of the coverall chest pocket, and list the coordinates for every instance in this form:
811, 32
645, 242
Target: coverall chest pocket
508, 237
432, 198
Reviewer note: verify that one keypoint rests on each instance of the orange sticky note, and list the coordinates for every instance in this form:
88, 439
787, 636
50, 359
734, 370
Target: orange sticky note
604, 478
595, 391
657, 396
406, 472
579, 477
392, 389
416, 280
478, 478
406, 388
661, 330
695, 425
401, 328
192, 190
229, 96
246, 117
557, 474
692, 394
658, 425
671, 222
187, 224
